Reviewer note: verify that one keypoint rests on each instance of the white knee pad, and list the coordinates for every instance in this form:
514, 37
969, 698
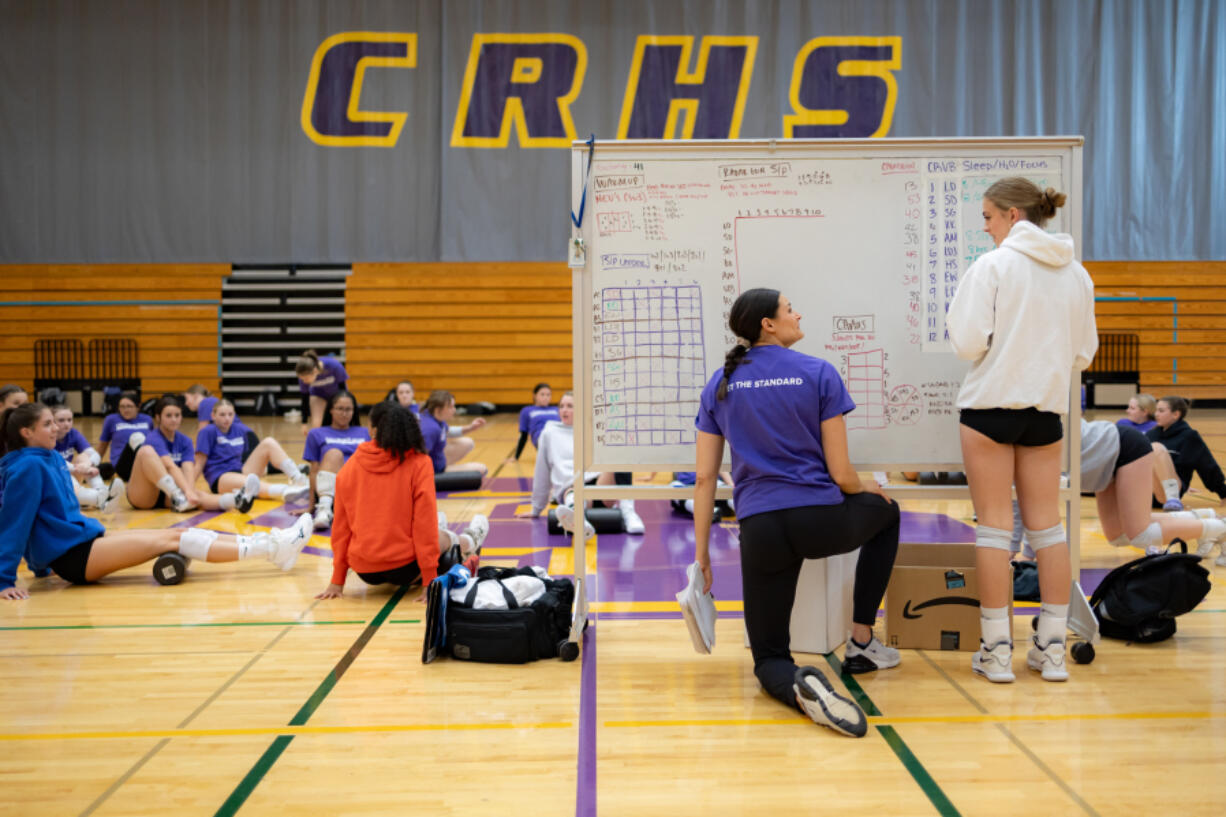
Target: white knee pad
194, 543
995, 538
1120, 541
1045, 538
325, 483
1150, 537
92, 457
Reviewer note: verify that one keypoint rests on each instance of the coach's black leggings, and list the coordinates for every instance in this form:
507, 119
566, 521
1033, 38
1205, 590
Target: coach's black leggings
773, 547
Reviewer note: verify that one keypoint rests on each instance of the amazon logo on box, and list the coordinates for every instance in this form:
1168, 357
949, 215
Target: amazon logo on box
932, 602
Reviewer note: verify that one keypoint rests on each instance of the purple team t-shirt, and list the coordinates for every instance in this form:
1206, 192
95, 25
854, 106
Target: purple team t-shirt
179, 449
116, 431
74, 443
771, 417
1141, 427
204, 411
321, 440
434, 434
533, 418
328, 382
224, 450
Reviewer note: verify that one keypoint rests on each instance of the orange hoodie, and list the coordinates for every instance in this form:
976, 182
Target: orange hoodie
386, 514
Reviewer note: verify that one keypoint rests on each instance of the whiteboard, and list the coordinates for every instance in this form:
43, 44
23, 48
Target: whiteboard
868, 238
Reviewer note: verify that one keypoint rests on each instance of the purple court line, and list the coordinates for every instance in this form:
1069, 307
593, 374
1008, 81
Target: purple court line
314, 551
197, 519
585, 783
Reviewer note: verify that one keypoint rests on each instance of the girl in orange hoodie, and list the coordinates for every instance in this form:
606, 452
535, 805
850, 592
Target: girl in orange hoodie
386, 523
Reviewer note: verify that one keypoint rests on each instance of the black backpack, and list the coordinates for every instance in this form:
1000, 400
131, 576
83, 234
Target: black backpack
1139, 601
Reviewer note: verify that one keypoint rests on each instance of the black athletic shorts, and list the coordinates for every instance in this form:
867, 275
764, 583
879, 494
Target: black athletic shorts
405, 575
1133, 446
1029, 426
70, 566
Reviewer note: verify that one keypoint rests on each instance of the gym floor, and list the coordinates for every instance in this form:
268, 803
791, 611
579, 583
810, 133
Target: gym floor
237, 691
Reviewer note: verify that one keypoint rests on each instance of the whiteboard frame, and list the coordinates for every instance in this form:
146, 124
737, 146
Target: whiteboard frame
664, 149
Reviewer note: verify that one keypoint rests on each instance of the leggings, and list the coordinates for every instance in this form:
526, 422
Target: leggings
773, 547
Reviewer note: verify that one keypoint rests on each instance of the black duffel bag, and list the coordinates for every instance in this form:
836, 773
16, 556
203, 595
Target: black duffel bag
518, 634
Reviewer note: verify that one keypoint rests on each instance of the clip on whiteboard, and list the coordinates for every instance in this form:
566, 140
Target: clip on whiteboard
577, 257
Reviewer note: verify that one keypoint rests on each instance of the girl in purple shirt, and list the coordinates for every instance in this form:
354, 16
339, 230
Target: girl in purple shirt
83, 462
447, 453
328, 448
164, 474
532, 418
797, 497
222, 457
119, 427
318, 379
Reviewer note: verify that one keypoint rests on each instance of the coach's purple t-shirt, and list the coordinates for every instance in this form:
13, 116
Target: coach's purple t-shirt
434, 435
179, 449
771, 418
224, 450
328, 382
532, 419
321, 440
116, 431
74, 443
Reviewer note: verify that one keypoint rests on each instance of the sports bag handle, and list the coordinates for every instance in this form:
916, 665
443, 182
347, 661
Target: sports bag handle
471, 595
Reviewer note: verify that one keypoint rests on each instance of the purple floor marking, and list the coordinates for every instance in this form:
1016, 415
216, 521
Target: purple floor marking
1092, 577
198, 519
585, 781
314, 551
281, 516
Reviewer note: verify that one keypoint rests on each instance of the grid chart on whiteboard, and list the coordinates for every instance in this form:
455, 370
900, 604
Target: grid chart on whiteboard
866, 385
654, 365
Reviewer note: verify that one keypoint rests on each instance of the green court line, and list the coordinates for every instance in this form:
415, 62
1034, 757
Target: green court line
189, 624
912, 764
405, 621
252, 779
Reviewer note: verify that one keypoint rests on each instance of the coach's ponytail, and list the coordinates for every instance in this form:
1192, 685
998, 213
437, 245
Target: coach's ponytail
745, 321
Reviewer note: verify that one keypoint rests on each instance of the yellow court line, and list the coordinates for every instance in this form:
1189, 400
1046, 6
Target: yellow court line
657, 606
282, 730
879, 720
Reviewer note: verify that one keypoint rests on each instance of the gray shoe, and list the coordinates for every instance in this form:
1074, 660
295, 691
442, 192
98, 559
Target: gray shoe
825, 706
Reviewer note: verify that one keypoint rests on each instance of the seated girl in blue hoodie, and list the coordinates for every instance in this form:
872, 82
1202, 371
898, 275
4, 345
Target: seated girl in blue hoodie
41, 521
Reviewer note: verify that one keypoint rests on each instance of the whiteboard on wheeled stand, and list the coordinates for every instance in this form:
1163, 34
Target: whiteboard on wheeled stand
867, 238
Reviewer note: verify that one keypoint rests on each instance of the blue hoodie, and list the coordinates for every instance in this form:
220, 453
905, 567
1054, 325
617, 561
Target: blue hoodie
40, 517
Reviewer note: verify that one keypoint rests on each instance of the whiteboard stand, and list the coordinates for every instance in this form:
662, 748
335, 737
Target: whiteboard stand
842, 191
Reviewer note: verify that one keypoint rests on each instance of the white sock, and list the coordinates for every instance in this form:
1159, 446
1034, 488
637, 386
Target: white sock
277, 491
227, 501
1170, 487
1212, 528
254, 547
994, 625
1053, 623
289, 467
467, 545
86, 497
97, 484
167, 484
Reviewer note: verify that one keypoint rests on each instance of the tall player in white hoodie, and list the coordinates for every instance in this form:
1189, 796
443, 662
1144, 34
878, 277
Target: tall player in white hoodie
1024, 313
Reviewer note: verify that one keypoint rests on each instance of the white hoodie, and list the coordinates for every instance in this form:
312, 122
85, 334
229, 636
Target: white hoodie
555, 465
1024, 313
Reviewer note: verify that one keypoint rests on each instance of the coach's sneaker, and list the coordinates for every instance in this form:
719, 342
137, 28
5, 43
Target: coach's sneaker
566, 519
287, 543
478, 528
1048, 660
246, 496
109, 502
631, 521
296, 491
820, 702
869, 658
995, 663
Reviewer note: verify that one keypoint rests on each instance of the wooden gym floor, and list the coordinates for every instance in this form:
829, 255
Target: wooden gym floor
238, 692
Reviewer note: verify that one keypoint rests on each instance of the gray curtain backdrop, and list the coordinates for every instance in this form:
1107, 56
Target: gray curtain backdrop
147, 131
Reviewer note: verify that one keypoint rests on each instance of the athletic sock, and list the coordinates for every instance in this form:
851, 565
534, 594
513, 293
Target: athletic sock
1170, 487
96, 483
277, 491
227, 501
167, 485
254, 547
1212, 528
994, 625
1053, 623
863, 646
86, 497
289, 467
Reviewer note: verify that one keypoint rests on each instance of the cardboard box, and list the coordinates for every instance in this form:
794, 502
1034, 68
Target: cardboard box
932, 602
821, 613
